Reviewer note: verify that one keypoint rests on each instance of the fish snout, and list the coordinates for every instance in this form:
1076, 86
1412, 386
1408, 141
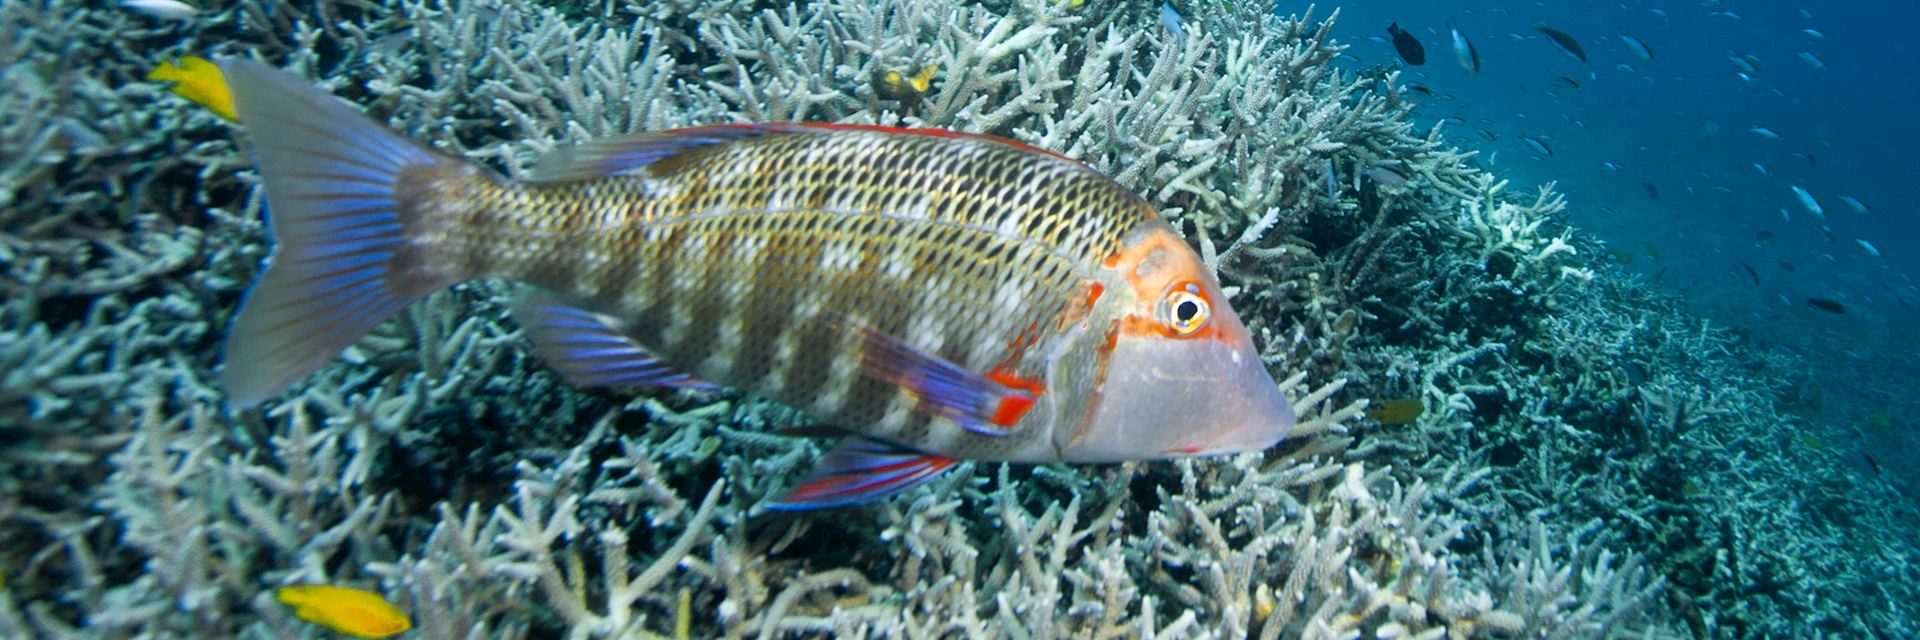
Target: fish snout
1176, 398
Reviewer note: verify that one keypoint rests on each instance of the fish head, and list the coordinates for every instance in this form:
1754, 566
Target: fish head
1178, 375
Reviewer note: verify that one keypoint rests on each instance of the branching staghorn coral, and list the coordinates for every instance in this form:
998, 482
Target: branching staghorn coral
437, 465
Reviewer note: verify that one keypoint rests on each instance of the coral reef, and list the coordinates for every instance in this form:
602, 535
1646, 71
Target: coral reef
1591, 463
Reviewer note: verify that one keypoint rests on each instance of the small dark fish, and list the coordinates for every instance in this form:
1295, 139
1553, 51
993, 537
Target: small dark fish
1419, 88
1903, 303
1570, 81
1409, 47
1636, 374
1829, 306
1871, 462
1652, 191
1751, 274
1538, 145
1788, 266
1763, 236
1562, 40
1489, 135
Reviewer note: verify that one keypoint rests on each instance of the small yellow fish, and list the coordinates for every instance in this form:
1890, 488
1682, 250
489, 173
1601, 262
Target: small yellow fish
198, 80
1812, 442
894, 85
361, 614
1398, 411
924, 80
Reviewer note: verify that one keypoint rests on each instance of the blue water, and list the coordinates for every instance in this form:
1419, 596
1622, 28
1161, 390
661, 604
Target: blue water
1682, 123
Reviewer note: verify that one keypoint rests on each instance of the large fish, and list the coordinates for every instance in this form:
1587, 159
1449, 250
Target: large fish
939, 296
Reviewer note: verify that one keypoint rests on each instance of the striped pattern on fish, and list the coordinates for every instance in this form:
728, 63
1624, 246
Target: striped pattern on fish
955, 244
941, 295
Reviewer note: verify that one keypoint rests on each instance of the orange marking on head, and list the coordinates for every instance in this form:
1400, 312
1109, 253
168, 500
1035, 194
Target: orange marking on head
1155, 263
1077, 309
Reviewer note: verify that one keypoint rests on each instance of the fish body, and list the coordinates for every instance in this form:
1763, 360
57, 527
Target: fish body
1560, 39
1396, 411
939, 296
353, 612
1764, 133
1807, 201
1640, 49
1464, 52
1171, 21
163, 9
1539, 146
1858, 206
1407, 46
198, 80
1385, 176
1827, 305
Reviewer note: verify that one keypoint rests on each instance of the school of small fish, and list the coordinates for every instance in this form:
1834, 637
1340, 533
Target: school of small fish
1630, 54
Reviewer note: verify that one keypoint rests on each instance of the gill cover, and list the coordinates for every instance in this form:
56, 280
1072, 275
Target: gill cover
1181, 376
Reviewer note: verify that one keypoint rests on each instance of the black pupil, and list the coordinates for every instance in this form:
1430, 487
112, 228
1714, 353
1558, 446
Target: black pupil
1186, 311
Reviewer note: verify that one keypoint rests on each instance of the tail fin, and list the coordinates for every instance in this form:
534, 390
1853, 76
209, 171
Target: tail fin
342, 261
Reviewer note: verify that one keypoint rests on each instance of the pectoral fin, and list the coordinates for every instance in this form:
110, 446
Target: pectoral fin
986, 404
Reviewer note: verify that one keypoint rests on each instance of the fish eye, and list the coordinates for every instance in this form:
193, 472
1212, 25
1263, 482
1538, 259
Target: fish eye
1186, 311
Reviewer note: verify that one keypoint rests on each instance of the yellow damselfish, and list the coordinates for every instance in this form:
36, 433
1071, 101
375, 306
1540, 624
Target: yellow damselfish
197, 79
361, 614
1399, 411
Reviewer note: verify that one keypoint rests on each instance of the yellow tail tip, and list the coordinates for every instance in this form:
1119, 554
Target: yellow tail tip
199, 80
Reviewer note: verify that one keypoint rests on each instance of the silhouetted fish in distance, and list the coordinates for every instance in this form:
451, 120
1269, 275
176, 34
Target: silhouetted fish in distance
1562, 40
1410, 48
1829, 306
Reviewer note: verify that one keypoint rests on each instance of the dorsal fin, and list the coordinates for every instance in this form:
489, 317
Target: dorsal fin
629, 154
632, 154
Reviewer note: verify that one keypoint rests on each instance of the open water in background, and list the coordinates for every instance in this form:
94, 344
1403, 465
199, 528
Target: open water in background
1682, 122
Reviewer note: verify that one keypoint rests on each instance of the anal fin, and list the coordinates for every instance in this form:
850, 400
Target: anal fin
860, 470
592, 350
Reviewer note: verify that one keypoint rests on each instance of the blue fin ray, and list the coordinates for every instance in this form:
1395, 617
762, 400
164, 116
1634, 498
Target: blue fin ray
860, 470
332, 179
591, 350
